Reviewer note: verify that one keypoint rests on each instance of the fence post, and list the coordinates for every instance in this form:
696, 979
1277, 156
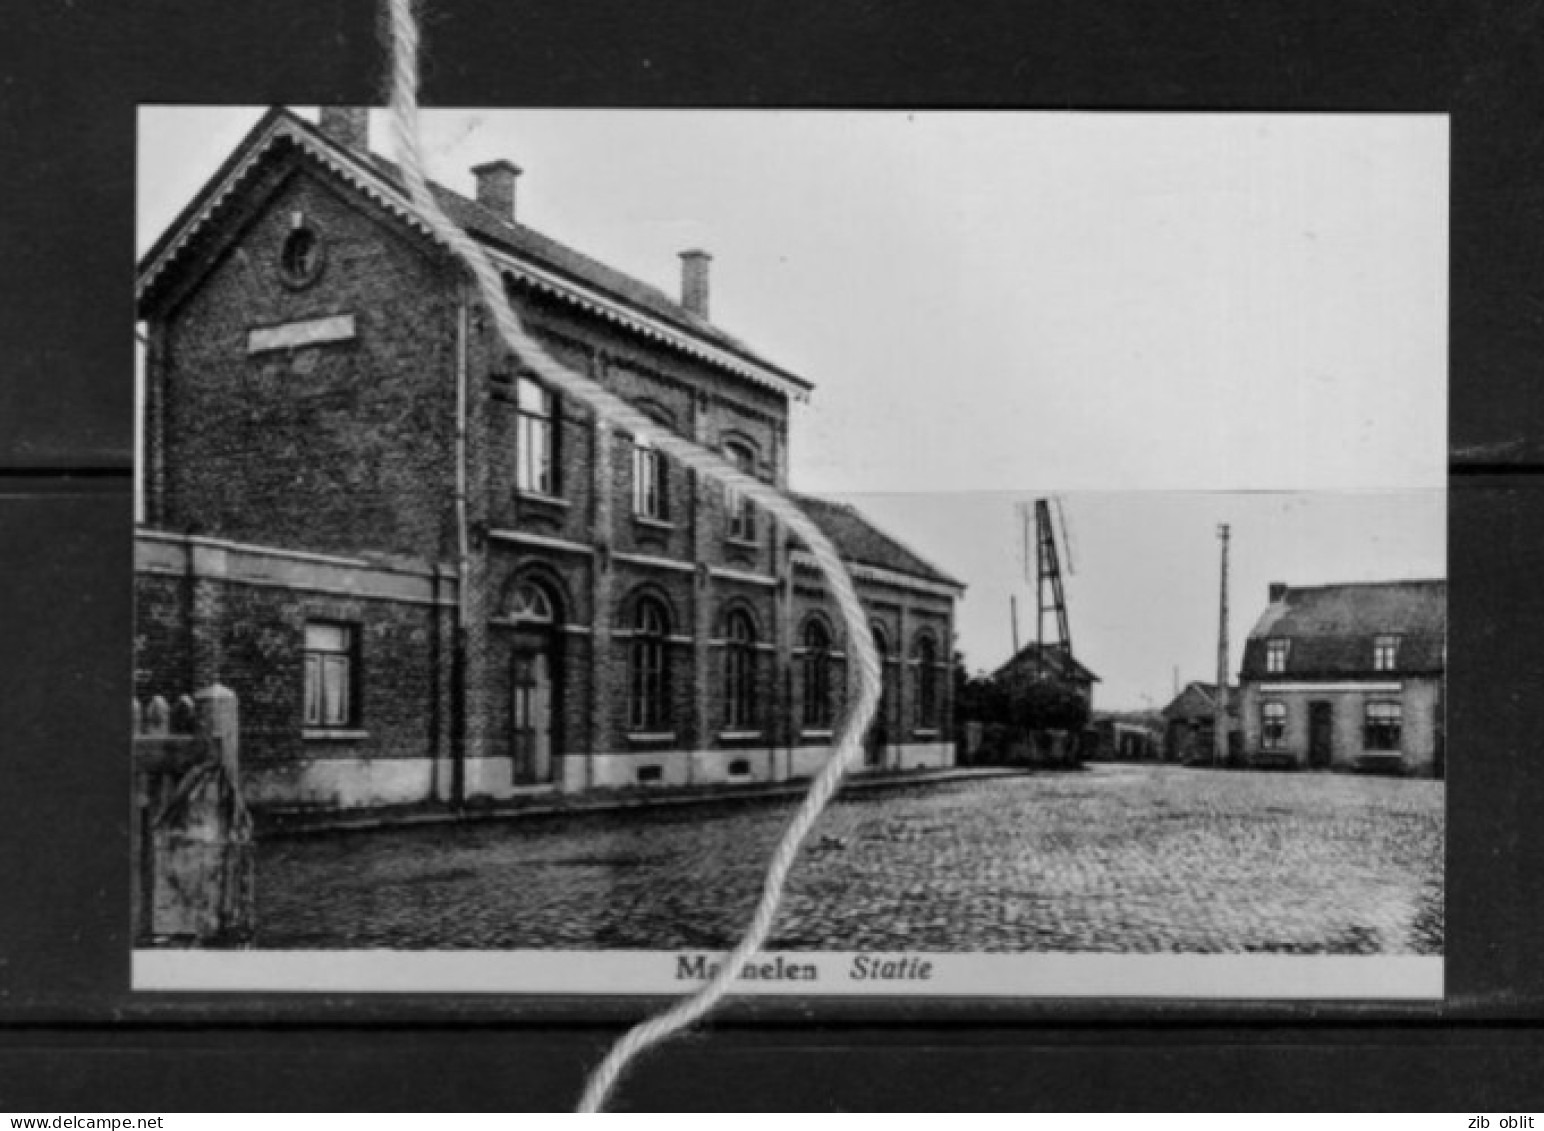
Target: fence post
217, 719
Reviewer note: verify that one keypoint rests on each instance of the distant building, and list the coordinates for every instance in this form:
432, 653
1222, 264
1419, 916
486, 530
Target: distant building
1126, 737
1050, 663
1348, 677
1190, 722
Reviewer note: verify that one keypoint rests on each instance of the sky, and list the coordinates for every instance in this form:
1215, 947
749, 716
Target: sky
1168, 320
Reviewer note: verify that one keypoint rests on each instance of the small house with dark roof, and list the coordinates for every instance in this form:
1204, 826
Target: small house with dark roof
1050, 663
1190, 722
1348, 676
429, 578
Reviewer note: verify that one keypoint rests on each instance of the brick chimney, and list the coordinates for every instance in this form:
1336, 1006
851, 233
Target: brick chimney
694, 281
347, 125
496, 187
1277, 591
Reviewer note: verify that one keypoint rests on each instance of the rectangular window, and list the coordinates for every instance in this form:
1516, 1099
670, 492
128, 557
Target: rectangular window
1273, 725
1276, 656
649, 484
330, 673
742, 513
1385, 653
1383, 726
535, 447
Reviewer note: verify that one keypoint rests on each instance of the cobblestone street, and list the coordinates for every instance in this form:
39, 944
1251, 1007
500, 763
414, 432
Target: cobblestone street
1117, 858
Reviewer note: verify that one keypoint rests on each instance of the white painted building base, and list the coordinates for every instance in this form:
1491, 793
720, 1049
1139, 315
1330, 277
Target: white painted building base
681, 768
340, 783
360, 783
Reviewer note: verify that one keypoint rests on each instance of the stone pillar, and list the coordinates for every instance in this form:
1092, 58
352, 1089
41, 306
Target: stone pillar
786, 727
602, 439
698, 735
218, 719
903, 686
207, 568
473, 365
152, 470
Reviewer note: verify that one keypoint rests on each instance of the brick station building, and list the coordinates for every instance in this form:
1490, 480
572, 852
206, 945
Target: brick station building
429, 578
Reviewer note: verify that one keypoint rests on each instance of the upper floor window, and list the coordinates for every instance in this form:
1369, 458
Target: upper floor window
740, 672
1273, 725
331, 659
536, 439
925, 657
648, 702
1382, 726
1385, 653
1276, 655
817, 676
649, 497
742, 514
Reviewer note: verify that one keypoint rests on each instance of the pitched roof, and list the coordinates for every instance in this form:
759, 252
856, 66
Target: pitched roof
1332, 628
558, 263
1055, 657
860, 541
1198, 698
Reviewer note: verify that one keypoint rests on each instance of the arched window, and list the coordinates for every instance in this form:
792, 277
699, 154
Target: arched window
742, 515
817, 676
925, 659
531, 604
648, 689
739, 672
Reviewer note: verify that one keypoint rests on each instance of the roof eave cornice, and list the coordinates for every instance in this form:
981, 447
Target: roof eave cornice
603, 306
806, 560
389, 196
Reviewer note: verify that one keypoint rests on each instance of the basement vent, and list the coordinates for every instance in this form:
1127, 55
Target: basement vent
740, 768
650, 775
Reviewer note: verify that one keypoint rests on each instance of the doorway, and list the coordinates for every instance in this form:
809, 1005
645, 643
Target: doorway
1321, 733
878, 737
531, 715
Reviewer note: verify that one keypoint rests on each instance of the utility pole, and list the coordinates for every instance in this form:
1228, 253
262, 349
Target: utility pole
1013, 612
1220, 726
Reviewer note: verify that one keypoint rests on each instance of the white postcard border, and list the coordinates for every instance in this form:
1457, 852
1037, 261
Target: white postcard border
1253, 977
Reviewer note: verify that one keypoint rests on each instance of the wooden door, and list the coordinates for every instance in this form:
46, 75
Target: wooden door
531, 717
1321, 733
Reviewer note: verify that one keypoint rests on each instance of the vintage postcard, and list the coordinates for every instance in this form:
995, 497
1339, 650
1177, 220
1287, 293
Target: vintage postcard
1131, 431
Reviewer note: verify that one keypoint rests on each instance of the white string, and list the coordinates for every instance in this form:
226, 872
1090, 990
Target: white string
612, 410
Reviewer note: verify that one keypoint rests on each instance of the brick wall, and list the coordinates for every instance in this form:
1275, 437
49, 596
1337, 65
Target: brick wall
258, 634
1420, 700
341, 446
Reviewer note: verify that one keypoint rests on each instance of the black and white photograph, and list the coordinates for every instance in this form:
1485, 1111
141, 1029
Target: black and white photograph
1130, 430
